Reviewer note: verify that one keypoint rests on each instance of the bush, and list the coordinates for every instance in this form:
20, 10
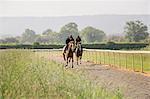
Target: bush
36, 44
116, 46
109, 45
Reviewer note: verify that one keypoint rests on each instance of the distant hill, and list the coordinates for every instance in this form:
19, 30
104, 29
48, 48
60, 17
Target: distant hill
110, 24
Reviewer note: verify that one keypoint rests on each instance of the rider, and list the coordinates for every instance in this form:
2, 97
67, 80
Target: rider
71, 38
78, 40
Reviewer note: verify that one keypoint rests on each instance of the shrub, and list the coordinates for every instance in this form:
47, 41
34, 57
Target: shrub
109, 45
36, 44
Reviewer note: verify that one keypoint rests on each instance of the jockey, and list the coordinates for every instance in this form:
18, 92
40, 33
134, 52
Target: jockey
78, 40
67, 40
71, 38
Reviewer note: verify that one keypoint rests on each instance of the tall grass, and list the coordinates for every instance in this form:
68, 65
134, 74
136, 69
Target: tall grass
26, 75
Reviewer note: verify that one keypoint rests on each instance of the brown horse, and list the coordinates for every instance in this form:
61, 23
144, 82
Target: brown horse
68, 55
78, 52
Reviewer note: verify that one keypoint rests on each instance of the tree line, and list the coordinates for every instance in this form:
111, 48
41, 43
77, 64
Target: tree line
135, 31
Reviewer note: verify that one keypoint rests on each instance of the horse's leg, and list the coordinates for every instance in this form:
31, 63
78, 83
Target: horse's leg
80, 59
64, 56
77, 60
72, 62
67, 62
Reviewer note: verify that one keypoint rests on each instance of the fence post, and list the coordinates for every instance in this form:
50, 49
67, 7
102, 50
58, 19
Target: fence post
100, 57
94, 53
126, 60
87, 55
104, 57
141, 63
114, 57
133, 61
108, 58
119, 61
84, 55
92, 56
96, 58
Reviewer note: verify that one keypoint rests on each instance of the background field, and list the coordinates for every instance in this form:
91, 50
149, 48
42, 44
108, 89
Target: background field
132, 60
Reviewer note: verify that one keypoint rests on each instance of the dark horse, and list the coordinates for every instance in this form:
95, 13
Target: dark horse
78, 52
68, 55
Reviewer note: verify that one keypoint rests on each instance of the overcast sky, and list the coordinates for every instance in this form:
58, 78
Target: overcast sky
52, 8
72, 7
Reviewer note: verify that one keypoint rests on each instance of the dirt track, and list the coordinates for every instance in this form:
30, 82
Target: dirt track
133, 85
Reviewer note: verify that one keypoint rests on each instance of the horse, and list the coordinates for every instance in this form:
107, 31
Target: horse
68, 55
78, 52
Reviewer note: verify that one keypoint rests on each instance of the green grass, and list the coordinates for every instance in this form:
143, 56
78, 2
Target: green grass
25, 74
146, 48
120, 60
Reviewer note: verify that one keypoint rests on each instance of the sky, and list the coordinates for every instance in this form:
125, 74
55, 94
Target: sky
57, 8
72, 7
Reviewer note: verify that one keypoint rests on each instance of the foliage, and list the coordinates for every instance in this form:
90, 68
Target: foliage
27, 46
9, 40
28, 36
36, 44
67, 30
48, 37
109, 45
90, 35
47, 32
116, 46
147, 48
136, 31
116, 38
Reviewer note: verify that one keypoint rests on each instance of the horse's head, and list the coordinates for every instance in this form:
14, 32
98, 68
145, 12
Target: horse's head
78, 46
72, 45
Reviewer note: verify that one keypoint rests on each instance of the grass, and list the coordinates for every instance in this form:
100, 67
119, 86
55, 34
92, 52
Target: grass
147, 48
25, 74
120, 60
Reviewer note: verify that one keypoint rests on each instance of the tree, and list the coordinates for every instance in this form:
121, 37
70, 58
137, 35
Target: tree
116, 38
28, 36
9, 40
47, 32
136, 31
50, 37
90, 35
42, 39
2, 41
69, 29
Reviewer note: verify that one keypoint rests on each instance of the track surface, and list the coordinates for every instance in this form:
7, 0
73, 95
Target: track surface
133, 85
